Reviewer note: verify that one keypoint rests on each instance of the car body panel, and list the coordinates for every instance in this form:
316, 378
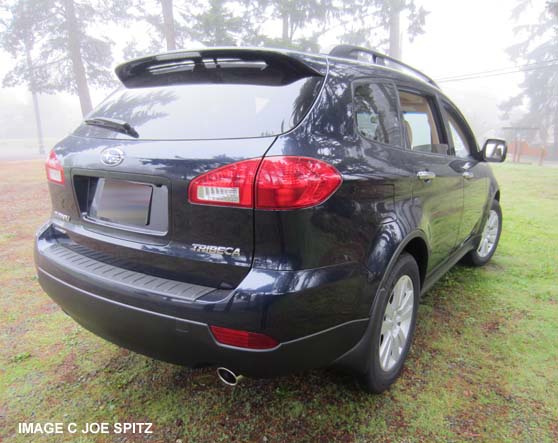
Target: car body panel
308, 277
172, 164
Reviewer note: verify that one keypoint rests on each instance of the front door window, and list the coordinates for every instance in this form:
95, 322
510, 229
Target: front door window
419, 124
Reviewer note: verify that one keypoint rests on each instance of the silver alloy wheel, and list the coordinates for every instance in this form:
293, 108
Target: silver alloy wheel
396, 324
489, 235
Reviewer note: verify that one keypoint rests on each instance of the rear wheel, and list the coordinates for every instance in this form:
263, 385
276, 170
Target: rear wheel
393, 320
489, 238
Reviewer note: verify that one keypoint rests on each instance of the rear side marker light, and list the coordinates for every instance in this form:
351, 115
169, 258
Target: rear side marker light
274, 183
54, 169
243, 339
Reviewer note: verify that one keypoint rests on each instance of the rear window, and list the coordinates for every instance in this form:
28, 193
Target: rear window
207, 110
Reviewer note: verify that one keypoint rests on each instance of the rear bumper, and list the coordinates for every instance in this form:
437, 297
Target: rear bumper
176, 329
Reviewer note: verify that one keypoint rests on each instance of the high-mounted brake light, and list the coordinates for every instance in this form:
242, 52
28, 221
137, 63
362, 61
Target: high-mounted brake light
243, 339
280, 183
54, 169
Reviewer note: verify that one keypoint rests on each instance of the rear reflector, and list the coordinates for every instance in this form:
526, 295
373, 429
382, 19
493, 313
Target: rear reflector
280, 183
54, 169
243, 339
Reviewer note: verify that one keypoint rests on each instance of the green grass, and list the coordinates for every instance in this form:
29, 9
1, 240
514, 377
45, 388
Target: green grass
483, 367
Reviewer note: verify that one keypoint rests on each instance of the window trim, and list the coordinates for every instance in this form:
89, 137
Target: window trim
376, 80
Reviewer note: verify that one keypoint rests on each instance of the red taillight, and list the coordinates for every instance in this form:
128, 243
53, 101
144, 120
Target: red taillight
294, 182
54, 169
282, 182
243, 339
231, 185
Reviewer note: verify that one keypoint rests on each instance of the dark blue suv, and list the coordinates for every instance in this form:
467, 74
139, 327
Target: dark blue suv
266, 211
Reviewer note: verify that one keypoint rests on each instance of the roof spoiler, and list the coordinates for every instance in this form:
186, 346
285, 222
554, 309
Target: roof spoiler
350, 51
283, 61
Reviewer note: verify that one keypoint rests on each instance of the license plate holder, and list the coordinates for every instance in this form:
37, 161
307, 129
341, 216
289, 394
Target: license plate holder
122, 202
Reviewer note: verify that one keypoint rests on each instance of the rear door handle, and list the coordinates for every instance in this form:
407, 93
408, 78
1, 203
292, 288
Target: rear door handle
426, 175
468, 175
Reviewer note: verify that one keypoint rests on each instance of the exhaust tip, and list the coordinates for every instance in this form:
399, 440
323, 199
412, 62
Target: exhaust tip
227, 376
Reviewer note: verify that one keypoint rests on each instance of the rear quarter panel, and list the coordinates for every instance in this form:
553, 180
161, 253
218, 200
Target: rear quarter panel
362, 223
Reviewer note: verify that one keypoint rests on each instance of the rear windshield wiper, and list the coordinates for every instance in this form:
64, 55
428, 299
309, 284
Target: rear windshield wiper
113, 124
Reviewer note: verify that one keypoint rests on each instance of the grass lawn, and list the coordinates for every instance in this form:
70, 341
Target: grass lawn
483, 367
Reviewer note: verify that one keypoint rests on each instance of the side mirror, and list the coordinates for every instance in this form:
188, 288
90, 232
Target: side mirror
494, 150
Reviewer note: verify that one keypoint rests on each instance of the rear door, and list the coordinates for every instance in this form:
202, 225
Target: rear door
437, 187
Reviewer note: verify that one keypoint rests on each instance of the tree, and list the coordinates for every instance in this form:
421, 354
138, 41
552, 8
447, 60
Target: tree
69, 56
162, 20
16, 39
376, 23
209, 22
538, 52
299, 16
224, 23
168, 24
243, 22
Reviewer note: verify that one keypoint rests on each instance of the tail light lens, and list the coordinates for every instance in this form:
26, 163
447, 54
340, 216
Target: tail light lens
231, 185
280, 183
54, 169
295, 182
243, 339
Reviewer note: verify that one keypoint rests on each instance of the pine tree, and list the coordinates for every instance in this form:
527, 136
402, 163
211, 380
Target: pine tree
538, 51
223, 23
243, 22
302, 22
17, 40
68, 55
376, 23
209, 22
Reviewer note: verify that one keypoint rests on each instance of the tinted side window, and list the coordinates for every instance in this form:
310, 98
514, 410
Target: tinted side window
376, 112
461, 143
419, 124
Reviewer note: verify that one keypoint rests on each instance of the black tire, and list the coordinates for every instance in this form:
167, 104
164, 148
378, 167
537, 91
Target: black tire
474, 258
377, 379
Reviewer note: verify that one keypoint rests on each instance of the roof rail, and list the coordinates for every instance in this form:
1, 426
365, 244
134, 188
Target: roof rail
350, 51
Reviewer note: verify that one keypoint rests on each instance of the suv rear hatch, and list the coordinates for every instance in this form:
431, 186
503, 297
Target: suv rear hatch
126, 169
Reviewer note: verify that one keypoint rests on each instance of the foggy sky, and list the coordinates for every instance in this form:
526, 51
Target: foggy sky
461, 37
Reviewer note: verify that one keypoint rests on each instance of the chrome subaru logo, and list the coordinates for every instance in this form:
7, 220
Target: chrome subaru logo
112, 156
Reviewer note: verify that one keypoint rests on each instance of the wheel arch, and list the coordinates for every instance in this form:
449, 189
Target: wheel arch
416, 245
418, 249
